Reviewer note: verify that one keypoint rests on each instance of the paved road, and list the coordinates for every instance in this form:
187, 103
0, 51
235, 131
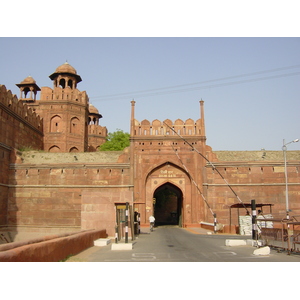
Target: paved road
173, 244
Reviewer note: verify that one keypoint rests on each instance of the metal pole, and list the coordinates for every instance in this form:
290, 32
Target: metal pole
254, 227
284, 148
286, 182
126, 223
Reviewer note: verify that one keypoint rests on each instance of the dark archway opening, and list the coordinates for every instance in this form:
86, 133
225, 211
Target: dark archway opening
167, 205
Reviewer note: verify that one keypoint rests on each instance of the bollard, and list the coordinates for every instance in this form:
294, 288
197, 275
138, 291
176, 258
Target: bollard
215, 223
254, 226
116, 234
126, 223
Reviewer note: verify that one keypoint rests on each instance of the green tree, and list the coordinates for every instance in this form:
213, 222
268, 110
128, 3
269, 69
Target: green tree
116, 141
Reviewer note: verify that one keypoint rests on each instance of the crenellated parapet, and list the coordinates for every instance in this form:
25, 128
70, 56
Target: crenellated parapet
159, 129
12, 105
167, 127
66, 94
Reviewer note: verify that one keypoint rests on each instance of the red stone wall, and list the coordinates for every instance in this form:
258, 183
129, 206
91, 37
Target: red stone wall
99, 207
4, 163
19, 127
264, 182
37, 206
42, 196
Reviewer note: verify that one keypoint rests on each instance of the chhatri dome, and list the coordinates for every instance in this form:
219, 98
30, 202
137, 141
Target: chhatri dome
28, 89
28, 80
65, 69
94, 115
93, 109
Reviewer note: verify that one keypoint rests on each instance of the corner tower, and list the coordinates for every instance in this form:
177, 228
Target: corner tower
96, 134
65, 112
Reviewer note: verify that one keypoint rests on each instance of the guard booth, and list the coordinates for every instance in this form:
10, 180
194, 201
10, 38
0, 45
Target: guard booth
120, 228
243, 225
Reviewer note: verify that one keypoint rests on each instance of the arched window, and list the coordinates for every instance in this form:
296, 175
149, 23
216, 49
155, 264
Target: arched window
56, 124
74, 125
26, 91
74, 149
54, 149
70, 83
62, 83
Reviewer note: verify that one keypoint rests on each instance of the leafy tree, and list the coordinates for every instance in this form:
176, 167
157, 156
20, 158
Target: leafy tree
116, 141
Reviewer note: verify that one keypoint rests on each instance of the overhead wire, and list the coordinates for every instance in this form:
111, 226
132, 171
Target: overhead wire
188, 87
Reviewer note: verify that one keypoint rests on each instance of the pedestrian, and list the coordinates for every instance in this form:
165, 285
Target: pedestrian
151, 220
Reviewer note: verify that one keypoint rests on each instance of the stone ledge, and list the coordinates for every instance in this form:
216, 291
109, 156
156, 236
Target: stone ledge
51, 249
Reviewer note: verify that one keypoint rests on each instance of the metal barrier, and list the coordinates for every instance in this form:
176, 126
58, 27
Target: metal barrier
285, 235
295, 236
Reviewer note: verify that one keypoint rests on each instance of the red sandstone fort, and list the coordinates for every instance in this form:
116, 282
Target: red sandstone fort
63, 184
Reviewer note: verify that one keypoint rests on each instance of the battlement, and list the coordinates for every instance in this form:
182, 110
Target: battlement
20, 110
66, 94
162, 128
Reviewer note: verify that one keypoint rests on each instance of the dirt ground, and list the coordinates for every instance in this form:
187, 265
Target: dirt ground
39, 157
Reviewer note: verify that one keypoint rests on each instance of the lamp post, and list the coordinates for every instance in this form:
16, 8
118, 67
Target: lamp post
284, 148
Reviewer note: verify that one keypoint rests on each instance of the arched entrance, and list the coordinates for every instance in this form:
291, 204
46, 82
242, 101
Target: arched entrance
167, 205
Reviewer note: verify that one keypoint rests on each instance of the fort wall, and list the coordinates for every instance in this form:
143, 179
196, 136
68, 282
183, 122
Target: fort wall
262, 181
67, 189
47, 194
20, 127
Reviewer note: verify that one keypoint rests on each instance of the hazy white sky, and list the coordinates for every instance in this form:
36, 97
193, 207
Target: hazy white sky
250, 85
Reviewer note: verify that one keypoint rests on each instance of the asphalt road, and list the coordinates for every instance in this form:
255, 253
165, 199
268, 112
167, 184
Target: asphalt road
173, 244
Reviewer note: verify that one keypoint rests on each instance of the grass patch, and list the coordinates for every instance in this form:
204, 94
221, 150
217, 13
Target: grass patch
71, 258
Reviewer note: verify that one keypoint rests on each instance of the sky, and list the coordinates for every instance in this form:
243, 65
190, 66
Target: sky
249, 84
